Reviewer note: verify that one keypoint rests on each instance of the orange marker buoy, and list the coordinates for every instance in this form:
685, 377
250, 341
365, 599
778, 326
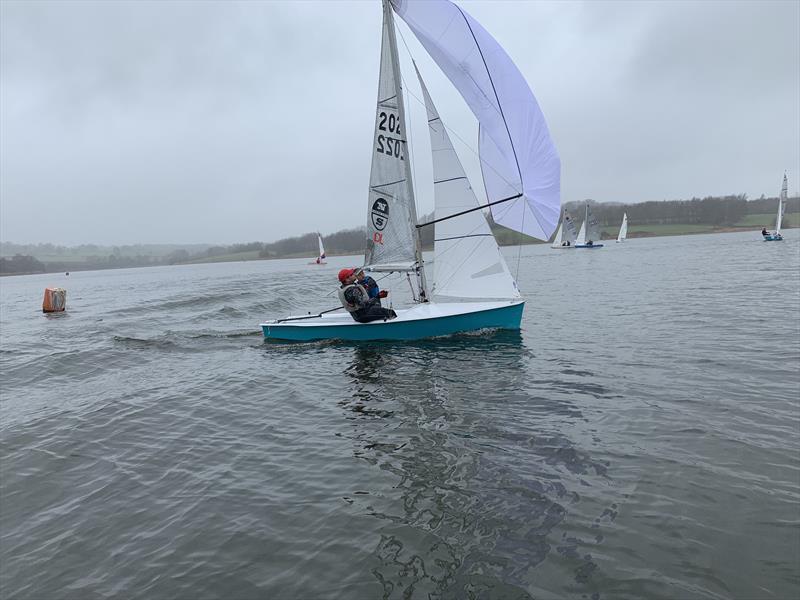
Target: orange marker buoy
55, 300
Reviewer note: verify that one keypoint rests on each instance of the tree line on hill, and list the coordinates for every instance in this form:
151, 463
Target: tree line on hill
717, 211
723, 211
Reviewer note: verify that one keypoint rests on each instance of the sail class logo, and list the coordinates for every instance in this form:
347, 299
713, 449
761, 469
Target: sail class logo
380, 213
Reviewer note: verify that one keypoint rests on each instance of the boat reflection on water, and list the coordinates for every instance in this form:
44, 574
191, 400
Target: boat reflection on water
478, 468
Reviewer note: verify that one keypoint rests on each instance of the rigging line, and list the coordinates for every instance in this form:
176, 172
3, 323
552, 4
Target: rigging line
469, 210
409, 145
466, 144
519, 237
460, 139
459, 237
408, 121
489, 74
451, 179
470, 233
461, 264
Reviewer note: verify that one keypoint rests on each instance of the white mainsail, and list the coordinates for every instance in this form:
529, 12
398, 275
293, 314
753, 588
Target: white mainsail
467, 262
592, 230
518, 158
581, 239
566, 232
782, 204
321, 247
623, 229
392, 238
569, 228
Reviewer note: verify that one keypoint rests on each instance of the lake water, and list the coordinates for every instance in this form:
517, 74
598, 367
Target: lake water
639, 438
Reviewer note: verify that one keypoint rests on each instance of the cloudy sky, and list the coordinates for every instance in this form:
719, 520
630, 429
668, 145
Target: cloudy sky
222, 122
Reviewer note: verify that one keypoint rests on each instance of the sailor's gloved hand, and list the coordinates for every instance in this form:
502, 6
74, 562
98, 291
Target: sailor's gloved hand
383, 294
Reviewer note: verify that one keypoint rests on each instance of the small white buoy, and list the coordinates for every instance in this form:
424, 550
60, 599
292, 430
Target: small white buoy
55, 300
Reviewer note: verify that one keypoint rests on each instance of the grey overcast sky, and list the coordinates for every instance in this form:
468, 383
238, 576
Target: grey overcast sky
222, 122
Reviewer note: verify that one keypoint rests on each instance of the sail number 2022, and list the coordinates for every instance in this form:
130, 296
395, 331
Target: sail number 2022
387, 144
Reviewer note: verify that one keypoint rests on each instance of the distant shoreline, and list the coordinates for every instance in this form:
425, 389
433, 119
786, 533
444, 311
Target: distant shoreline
631, 235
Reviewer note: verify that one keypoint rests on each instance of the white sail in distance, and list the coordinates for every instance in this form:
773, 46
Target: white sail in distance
569, 228
592, 228
623, 229
581, 239
518, 157
467, 261
566, 232
557, 240
782, 204
321, 247
392, 239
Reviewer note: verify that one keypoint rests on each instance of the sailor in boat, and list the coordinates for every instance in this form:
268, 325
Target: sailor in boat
356, 300
590, 243
369, 284
764, 232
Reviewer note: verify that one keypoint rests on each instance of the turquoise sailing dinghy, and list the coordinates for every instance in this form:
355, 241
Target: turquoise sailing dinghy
472, 287
776, 235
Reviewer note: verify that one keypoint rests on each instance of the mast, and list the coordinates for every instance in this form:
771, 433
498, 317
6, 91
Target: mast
401, 109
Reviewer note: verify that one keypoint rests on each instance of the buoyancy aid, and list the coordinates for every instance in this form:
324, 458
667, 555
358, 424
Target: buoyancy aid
361, 292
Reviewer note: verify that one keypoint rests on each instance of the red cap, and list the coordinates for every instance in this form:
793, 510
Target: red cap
345, 273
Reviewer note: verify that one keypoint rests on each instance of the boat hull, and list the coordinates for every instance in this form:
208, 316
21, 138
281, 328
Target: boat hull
587, 247
418, 322
773, 238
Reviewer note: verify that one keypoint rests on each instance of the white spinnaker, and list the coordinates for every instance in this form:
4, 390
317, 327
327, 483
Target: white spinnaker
557, 241
782, 204
623, 229
321, 247
467, 262
517, 153
391, 214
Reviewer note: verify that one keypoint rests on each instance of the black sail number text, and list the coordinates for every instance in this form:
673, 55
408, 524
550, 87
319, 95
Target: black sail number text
388, 122
387, 144
391, 146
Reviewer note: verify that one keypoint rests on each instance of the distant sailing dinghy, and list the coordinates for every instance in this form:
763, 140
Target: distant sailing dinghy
776, 235
321, 258
589, 232
623, 229
472, 287
565, 236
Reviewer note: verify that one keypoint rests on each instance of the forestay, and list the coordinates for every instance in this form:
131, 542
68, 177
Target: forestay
518, 157
467, 262
391, 214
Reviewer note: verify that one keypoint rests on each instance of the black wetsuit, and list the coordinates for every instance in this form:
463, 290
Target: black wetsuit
368, 309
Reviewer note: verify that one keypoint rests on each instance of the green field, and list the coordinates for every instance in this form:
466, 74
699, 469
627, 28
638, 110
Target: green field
768, 220
671, 229
251, 255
